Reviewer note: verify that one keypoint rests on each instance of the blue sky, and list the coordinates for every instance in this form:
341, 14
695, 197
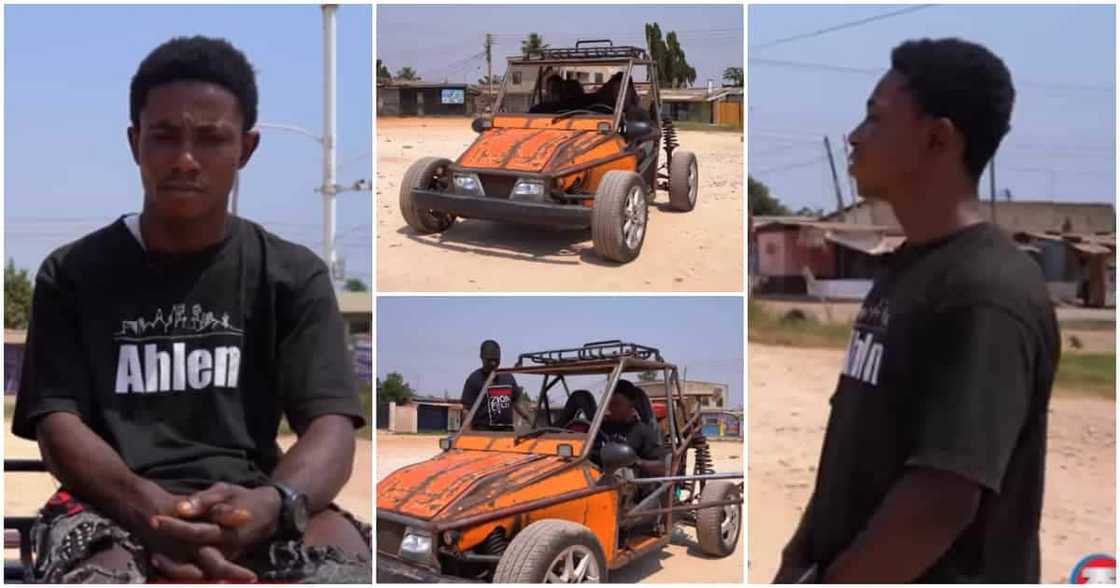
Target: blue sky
711, 35
1062, 60
67, 166
433, 341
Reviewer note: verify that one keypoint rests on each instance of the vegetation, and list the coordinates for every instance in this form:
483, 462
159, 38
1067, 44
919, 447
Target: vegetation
17, 297
394, 389
355, 285
734, 75
407, 74
1092, 374
673, 69
534, 42
383, 73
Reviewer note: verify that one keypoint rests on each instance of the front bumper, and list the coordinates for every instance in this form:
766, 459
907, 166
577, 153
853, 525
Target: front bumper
500, 209
392, 570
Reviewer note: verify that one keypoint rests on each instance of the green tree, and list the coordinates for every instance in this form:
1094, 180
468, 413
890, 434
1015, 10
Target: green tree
681, 74
17, 297
657, 51
407, 74
760, 202
355, 285
647, 376
533, 42
394, 389
734, 75
673, 69
383, 73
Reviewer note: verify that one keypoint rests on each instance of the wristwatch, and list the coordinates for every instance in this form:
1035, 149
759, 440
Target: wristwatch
294, 512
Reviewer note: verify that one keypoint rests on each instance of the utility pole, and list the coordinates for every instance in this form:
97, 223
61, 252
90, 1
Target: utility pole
848, 170
329, 128
489, 73
835, 180
992, 186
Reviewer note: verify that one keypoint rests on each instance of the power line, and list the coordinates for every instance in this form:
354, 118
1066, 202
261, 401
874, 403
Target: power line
869, 71
841, 26
788, 166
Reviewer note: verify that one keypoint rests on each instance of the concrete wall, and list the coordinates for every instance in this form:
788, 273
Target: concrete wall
786, 252
402, 418
839, 289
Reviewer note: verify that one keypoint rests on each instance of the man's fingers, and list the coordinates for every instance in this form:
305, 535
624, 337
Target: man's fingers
176, 570
199, 503
228, 516
196, 533
217, 567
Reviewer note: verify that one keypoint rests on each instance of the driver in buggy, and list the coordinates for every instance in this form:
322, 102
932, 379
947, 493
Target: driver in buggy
629, 420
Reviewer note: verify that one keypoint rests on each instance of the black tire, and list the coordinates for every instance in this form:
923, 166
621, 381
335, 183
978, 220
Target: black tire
424, 173
612, 210
544, 545
716, 538
684, 181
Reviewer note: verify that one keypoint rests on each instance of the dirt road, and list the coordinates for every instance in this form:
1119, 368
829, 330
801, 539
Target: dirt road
681, 561
789, 391
25, 493
701, 250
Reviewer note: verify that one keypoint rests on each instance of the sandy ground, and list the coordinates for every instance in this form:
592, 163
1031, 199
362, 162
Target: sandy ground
24, 493
679, 562
789, 391
701, 250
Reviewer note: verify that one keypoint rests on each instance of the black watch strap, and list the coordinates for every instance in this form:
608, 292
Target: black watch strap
293, 512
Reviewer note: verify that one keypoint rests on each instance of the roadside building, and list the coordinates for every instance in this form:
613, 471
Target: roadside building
403, 98
421, 415
714, 106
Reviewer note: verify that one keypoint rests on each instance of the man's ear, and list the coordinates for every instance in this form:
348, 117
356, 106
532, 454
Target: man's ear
249, 142
944, 137
133, 135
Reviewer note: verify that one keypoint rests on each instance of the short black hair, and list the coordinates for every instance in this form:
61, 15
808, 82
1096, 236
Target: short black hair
627, 389
197, 58
964, 82
489, 348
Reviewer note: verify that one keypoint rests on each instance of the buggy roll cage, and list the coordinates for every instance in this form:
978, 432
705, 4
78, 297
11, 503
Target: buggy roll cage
613, 357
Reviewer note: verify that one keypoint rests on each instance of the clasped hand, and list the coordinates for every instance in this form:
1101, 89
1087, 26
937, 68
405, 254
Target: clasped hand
204, 533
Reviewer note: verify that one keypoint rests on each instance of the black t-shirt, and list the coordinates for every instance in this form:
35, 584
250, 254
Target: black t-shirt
185, 364
949, 367
498, 411
643, 437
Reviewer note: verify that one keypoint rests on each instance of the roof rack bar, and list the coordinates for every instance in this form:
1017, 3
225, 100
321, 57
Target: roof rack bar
590, 41
594, 351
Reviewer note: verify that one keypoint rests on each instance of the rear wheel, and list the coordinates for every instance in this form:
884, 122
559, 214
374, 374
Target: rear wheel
684, 181
425, 174
717, 527
619, 216
553, 551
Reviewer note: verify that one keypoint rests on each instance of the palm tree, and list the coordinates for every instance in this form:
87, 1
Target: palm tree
407, 74
734, 75
533, 42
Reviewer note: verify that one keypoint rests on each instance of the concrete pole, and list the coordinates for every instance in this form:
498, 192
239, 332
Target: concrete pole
329, 129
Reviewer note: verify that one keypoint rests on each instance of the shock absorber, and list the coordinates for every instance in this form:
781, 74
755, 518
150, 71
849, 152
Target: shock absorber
703, 456
496, 542
669, 134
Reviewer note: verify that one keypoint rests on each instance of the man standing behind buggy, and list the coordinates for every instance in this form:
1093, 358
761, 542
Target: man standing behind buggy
488, 416
163, 432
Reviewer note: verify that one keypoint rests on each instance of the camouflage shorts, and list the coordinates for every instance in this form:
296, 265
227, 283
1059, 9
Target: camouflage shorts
68, 532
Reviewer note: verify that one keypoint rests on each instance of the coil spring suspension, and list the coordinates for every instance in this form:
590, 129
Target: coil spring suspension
669, 134
703, 456
496, 542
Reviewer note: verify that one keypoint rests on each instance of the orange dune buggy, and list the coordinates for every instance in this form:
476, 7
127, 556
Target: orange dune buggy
548, 498
573, 142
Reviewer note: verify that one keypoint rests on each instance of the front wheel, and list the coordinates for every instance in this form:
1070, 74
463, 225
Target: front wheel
619, 216
555, 552
425, 174
717, 527
684, 181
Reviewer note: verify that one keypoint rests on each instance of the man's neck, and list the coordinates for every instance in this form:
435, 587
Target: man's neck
931, 212
182, 236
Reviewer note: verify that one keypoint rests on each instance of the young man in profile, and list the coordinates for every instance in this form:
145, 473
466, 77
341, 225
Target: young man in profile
933, 460
162, 352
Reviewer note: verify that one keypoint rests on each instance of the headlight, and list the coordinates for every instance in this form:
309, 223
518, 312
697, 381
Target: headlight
528, 190
467, 183
416, 547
